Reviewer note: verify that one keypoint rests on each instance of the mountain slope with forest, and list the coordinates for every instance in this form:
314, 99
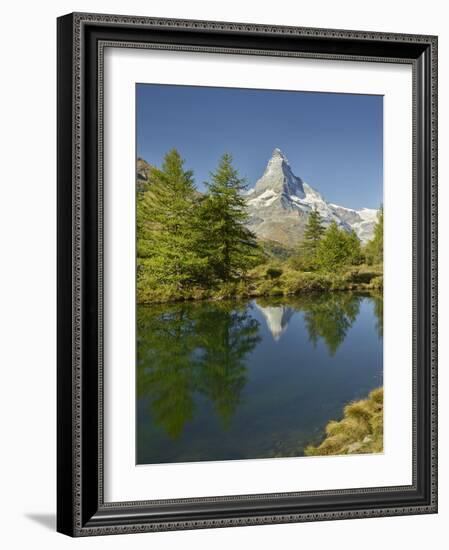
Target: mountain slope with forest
280, 203
221, 243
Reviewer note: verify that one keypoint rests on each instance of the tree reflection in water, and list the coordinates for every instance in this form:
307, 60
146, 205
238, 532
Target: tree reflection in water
330, 316
191, 348
327, 316
379, 313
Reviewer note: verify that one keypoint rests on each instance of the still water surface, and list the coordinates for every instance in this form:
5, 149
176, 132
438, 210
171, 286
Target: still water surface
251, 379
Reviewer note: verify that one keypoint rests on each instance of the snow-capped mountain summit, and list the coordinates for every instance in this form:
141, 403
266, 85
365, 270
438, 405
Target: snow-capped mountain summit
280, 204
279, 178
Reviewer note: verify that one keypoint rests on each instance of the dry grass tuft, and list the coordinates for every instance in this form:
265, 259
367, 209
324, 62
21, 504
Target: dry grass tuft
359, 432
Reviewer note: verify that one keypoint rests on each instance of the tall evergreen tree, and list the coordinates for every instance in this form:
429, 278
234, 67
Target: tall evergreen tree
167, 226
313, 232
305, 257
355, 255
230, 247
338, 249
374, 249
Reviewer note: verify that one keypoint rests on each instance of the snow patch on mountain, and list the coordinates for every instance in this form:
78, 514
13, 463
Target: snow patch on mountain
265, 199
361, 221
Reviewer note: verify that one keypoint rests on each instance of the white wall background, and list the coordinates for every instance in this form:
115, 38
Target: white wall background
27, 273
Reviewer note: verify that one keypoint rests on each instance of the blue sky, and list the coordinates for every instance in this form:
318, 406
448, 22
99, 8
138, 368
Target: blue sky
334, 142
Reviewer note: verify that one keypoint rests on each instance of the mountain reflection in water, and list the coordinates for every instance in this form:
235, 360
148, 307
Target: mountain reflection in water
277, 318
248, 379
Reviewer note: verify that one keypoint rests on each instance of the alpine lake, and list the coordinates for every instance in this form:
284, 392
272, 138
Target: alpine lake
246, 379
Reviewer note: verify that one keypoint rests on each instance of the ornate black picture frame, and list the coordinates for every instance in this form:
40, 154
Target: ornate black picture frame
81, 510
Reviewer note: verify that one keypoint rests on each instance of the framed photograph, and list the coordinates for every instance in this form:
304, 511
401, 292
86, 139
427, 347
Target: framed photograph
246, 274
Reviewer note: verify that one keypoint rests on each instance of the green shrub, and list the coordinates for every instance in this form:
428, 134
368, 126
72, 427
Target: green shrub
377, 283
359, 276
273, 272
268, 279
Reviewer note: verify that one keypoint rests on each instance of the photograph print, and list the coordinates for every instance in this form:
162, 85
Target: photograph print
259, 274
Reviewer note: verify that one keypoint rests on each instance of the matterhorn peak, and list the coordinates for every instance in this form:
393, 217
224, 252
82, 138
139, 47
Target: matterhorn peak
277, 153
280, 204
278, 157
279, 178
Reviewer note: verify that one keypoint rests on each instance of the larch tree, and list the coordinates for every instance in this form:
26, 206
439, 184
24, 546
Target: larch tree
374, 249
313, 234
338, 249
167, 226
230, 247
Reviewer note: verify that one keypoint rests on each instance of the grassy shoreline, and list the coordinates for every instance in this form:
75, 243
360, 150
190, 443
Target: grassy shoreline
269, 281
359, 432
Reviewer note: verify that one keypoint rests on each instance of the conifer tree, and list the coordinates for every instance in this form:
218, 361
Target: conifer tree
313, 232
374, 249
306, 253
355, 256
167, 226
230, 247
338, 249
